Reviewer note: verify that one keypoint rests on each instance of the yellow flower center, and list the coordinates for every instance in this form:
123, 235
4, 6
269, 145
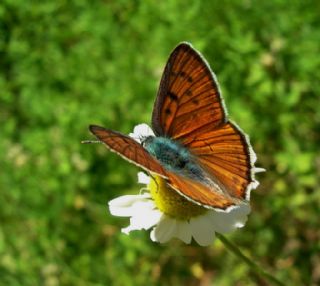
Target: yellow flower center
171, 202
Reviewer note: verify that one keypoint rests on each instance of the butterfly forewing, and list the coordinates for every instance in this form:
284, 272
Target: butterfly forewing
188, 100
128, 148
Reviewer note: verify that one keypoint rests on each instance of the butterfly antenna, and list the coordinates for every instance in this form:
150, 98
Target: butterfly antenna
90, 141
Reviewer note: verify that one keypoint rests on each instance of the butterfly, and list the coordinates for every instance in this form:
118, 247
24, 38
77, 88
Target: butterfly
200, 153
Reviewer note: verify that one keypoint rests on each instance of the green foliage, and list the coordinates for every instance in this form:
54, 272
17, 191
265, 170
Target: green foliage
67, 64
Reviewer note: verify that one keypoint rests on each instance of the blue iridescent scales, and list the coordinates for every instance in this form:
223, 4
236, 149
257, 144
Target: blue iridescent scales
174, 157
202, 155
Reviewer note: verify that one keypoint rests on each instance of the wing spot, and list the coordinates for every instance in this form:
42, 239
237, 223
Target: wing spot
184, 75
195, 101
167, 111
188, 92
172, 96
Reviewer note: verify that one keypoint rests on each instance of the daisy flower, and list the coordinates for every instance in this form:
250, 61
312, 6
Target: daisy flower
168, 214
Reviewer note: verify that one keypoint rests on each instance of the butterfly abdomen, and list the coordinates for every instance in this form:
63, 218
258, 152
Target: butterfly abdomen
173, 157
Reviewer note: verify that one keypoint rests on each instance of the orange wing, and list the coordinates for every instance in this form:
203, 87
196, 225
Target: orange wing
128, 148
188, 99
227, 156
200, 194
189, 108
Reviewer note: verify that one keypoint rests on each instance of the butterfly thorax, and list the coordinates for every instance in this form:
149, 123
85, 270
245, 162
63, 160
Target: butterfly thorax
173, 157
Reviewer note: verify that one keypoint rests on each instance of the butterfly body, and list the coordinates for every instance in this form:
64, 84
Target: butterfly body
174, 157
202, 155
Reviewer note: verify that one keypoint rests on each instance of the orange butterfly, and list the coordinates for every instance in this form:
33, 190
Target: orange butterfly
202, 155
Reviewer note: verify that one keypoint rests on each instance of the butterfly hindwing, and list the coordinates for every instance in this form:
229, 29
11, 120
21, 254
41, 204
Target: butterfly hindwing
227, 156
199, 193
128, 148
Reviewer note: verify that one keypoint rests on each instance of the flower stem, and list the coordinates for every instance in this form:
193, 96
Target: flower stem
254, 266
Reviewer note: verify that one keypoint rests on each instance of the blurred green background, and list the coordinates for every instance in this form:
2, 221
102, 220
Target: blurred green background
67, 64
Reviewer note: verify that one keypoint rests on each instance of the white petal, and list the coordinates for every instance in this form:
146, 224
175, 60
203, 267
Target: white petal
202, 230
128, 229
253, 185
143, 130
258, 170
135, 137
183, 231
143, 178
143, 220
127, 200
227, 222
165, 230
123, 206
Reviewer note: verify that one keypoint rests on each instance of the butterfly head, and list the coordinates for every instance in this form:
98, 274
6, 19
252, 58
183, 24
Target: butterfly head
146, 140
